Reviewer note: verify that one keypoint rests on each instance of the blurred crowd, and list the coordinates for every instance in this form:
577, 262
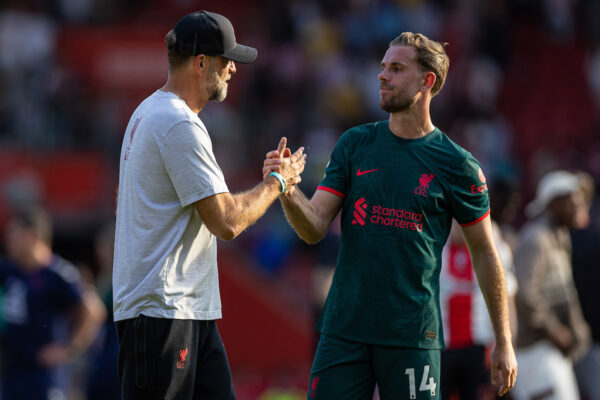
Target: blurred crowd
523, 95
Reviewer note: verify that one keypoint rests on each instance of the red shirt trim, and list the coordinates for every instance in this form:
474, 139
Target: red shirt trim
477, 220
342, 195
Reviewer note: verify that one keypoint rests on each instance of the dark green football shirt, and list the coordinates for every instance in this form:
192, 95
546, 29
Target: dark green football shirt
400, 196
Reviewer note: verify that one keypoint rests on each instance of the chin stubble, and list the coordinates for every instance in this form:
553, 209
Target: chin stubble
218, 91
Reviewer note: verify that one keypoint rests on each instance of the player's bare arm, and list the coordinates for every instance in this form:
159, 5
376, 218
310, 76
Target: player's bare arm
490, 275
226, 215
310, 219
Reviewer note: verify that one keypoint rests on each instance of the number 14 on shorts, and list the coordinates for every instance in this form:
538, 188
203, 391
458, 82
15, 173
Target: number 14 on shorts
427, 382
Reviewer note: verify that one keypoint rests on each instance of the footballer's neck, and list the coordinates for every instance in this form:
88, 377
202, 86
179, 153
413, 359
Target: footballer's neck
412, 123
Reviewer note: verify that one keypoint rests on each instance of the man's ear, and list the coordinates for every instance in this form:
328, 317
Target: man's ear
429, 81
199, 63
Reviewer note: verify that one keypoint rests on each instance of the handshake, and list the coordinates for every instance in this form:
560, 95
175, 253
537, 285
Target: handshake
285, 166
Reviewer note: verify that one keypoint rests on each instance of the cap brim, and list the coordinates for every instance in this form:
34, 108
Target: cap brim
241, 54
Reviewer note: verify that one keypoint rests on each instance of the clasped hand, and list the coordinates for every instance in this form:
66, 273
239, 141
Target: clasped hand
289, 165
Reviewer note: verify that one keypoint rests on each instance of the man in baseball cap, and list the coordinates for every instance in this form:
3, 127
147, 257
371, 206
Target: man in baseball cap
173, 205
552, 185
553, 334
204, 32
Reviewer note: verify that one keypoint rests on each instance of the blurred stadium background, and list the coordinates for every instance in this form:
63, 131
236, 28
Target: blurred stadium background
523, 95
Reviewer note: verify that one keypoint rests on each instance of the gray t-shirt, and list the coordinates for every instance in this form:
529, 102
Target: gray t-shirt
165, 262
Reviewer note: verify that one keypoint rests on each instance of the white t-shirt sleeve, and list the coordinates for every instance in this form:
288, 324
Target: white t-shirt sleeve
187, 154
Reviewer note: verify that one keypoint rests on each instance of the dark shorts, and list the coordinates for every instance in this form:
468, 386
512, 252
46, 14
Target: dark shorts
349, 370
172, 359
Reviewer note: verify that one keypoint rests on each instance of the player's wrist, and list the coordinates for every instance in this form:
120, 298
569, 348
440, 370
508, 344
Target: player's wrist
289, 192
504, 340
283, 186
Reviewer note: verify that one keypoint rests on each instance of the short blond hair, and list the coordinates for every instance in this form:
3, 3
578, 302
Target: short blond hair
430, 55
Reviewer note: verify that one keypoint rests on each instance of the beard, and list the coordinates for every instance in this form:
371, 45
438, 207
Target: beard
217, 90
397, 102
216, 87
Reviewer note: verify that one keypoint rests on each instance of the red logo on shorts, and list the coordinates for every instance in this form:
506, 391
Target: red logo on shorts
359, 212
182, 356
313, 386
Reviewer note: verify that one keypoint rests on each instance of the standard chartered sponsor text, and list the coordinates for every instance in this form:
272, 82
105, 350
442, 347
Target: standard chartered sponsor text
399, 218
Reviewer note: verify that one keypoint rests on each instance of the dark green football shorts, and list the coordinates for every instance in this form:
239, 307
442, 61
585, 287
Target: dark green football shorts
345, 370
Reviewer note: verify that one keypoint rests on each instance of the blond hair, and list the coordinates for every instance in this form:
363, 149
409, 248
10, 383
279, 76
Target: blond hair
430, 55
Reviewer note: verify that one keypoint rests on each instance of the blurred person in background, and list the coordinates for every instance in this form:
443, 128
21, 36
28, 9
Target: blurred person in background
102, 378
398, 184
468, 331
50, 316
552, 331
173, 204
586, 273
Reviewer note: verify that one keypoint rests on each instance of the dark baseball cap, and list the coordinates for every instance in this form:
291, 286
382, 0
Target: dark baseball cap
204, 32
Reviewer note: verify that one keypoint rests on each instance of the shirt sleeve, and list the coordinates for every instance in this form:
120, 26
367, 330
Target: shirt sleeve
187, 154
336, 173
469, 200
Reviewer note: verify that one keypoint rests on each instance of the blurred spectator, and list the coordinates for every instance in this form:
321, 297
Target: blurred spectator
586, 274
103, 379
25, 71
468, 332
49, 316
480, 128
552, 332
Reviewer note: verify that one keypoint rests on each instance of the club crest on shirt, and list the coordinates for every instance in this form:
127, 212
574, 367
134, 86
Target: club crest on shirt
131, 135
423, 187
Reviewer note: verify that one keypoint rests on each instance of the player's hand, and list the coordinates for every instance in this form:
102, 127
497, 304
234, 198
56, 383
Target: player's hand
273, 158
289, 165
504, 367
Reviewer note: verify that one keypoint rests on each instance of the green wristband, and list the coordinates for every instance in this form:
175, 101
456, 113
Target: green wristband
281, 181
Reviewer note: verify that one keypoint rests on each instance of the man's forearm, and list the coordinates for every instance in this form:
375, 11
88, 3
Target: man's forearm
303, 217
252, 204
490, 276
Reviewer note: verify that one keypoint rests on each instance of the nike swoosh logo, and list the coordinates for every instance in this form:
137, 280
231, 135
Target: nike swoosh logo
359, 172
